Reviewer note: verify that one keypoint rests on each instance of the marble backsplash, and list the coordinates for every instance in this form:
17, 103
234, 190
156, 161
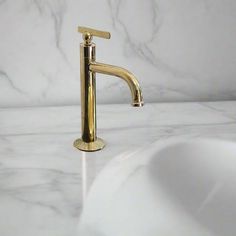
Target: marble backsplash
181, 50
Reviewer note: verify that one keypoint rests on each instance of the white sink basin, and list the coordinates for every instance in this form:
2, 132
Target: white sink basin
174, 188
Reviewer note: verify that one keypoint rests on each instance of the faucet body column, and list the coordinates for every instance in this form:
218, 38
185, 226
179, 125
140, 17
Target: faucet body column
88, 93
88, 140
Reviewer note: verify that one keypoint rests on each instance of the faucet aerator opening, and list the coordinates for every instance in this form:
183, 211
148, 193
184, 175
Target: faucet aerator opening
138, 104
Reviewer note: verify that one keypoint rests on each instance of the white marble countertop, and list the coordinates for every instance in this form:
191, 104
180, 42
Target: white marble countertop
43, 179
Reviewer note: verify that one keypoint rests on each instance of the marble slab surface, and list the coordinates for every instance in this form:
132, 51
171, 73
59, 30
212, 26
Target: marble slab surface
179, 50
44, 180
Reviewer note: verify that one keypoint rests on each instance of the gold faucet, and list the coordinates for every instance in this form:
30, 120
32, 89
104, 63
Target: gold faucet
89, 141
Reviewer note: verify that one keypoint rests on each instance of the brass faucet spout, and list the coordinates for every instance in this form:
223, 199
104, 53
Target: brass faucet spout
124, 74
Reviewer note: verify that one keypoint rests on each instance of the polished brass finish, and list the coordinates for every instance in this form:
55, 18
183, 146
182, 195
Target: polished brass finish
94, 32
123, 74
97, 145
88, 68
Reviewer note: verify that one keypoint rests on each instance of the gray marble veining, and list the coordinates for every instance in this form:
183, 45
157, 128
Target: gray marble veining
180, 51
44, 180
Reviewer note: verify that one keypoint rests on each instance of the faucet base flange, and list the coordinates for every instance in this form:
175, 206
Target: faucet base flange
96, 145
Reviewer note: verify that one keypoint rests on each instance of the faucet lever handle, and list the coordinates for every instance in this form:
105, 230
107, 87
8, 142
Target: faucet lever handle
88, 34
